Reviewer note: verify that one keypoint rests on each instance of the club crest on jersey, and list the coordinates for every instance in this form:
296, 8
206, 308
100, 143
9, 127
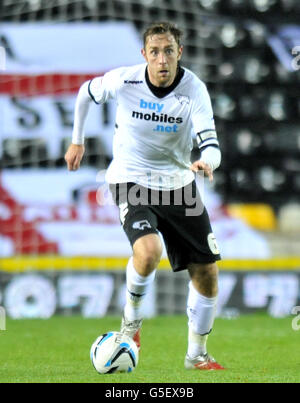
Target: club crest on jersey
183, 99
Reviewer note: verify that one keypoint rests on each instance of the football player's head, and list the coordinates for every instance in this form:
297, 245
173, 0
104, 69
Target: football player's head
162, 50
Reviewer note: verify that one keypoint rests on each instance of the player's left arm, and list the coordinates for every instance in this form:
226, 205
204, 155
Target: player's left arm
210, 158
207, 140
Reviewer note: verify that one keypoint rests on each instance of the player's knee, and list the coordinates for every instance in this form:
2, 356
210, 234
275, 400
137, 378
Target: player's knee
147, 253
205, 278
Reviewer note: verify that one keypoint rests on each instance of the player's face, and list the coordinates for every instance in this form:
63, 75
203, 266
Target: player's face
162, 54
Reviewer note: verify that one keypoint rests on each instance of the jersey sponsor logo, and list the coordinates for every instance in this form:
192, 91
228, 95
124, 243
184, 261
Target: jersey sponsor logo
157, 116
141, 225
154, 117
167, 129
151, 105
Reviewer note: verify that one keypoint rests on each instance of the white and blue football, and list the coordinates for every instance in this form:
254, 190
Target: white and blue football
114, 352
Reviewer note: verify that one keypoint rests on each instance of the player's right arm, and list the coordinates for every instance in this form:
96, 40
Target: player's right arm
74, 156
98, 90
75, 151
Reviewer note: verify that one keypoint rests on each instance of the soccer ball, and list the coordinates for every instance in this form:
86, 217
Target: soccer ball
114, 352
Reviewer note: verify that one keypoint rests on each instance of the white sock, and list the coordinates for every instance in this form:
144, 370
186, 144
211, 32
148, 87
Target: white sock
201, 312
137, 287
196, 343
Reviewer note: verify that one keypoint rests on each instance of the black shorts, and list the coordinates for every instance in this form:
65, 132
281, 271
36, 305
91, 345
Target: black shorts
179, 215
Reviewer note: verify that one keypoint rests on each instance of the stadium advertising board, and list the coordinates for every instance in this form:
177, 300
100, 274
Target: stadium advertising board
94, 294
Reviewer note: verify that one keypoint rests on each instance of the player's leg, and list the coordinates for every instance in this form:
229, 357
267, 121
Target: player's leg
147, 252
140, 274
194, 234
201, 310
201, 305
140, 225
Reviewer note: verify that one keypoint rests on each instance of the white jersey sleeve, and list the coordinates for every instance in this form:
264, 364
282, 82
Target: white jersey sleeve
203, 118
211, 156
102, 89
82, 106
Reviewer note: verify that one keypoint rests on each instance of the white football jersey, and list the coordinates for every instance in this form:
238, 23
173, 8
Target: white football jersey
153, 137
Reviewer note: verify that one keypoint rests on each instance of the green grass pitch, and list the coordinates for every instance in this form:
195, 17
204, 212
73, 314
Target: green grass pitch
253, 348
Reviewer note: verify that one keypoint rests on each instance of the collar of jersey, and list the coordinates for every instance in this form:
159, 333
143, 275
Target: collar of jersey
161, 92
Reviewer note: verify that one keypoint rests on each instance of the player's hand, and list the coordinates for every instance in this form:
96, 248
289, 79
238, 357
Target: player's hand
74, 156
201, 166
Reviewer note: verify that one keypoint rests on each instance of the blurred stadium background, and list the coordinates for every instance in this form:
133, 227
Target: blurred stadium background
61, 252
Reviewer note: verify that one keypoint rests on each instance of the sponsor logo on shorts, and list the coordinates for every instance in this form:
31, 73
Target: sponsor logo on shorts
141, 225
212, 243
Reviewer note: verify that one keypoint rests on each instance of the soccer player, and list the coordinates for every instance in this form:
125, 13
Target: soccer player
152, 179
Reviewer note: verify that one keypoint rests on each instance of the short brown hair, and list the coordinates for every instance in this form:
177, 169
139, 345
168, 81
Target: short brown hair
162, 27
